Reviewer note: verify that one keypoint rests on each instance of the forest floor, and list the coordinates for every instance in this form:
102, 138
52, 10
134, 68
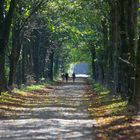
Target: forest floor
116, 120
56, 112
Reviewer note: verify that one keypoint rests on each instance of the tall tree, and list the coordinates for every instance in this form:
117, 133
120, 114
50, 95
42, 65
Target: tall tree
23, 13
5, 26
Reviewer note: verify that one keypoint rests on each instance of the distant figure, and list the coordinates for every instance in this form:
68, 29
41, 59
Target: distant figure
73, 77
63, 76
66, 77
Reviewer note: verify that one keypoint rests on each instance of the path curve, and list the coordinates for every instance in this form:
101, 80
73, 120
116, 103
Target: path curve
64, 118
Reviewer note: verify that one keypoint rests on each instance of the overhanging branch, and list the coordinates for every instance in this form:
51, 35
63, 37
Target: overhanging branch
33, 11
126, 62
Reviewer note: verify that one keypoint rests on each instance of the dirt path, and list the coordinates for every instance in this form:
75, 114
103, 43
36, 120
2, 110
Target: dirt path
64, 118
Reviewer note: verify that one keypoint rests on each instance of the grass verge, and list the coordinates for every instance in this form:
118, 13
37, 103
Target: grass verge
115, 118
23, 100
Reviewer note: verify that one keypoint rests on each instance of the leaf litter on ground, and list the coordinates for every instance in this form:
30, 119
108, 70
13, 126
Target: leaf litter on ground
116, 120
22, 100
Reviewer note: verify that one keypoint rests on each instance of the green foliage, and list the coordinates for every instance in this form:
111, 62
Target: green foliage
68, 28
32, 88
80, 54
112, 115
72, 24
99, 88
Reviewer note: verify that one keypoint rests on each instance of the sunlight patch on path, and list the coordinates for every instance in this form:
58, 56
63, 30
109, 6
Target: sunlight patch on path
64, 118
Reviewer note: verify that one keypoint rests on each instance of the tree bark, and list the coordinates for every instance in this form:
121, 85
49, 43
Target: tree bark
116, 46
15, 54
123, 72
136, 97
5, 25
23, 73
132, 35
51, 66
93, 55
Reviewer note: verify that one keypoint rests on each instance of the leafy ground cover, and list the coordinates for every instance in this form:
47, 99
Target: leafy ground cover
24, 99
116, 120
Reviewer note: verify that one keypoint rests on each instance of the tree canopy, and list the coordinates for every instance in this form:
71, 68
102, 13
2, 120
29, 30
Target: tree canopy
40, 38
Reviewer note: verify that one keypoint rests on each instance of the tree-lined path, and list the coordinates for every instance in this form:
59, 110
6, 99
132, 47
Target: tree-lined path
65, 117
43, 40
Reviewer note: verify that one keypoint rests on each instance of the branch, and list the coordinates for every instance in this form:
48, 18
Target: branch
33, 11
11, 9
126, 62
1, 11
8, 18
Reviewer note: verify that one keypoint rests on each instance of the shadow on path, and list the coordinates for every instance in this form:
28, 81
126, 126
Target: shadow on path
65, 117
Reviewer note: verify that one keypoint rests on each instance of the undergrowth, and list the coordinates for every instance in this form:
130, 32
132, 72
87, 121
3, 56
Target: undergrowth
115, 118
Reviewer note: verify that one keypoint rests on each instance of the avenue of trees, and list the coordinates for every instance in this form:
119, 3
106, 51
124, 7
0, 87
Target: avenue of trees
40, 38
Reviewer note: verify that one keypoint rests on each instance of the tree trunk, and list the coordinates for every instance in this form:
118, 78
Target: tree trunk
132, 35
110, 49
15, 54
93, 55
5, 25
23, 65
3, 81
124, 49
116, 46
51, 66
136, 98
56, 67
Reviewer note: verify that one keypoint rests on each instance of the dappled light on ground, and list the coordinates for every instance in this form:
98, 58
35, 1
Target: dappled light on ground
115, 119
60, 114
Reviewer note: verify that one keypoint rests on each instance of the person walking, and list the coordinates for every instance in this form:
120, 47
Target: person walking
63, 77
73, 77
66, 77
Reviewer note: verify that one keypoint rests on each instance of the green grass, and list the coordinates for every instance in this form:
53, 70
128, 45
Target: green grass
99, 88
113, 114
33, 87
8, 97
13, 103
